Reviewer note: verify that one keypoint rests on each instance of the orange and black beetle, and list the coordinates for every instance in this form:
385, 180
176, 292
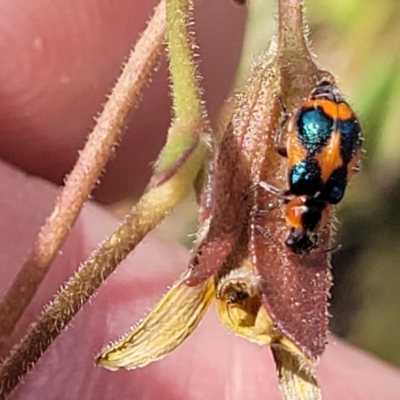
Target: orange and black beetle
323, 146
323, 149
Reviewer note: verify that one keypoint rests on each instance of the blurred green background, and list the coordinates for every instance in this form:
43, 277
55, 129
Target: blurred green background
359, 42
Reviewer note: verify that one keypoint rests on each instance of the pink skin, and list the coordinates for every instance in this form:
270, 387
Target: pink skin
46, 110
59, 61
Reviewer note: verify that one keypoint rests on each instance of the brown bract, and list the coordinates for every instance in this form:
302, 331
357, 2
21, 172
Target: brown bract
225, 208
293, 288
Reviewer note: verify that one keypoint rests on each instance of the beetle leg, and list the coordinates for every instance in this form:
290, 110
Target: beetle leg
274, 190
278, 137
265, 232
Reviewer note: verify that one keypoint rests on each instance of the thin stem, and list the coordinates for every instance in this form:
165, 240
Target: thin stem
297, 68
292, 28
151, 209
184, 155
187, 104
86, 172
188, 108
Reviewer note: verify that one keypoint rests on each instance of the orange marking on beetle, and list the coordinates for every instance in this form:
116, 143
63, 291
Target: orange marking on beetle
295, 149
329, 157
334, 110
294, 212
344, 111
328, 107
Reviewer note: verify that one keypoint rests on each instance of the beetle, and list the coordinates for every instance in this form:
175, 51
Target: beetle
323, 150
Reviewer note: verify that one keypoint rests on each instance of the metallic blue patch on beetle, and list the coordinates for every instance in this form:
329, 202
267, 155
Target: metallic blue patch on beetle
314, 129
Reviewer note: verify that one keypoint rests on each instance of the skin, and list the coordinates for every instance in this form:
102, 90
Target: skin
48, 97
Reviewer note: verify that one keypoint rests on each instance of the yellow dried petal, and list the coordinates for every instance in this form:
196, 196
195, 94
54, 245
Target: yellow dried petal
255, 328
171, 321
296, 376
239, 307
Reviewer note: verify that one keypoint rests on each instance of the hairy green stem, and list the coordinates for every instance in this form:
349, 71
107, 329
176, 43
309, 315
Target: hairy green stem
188, 107
150, 210
179, 164
85, 174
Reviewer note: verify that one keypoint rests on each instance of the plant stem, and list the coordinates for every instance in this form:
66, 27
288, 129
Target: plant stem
188, 107
187, 104
150, 210
84, 176
292, 28
297, 68
178, 166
